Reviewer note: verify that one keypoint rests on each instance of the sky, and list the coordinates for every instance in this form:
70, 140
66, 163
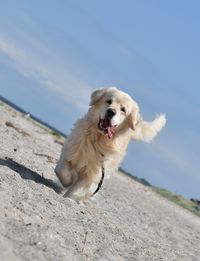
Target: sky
53, 54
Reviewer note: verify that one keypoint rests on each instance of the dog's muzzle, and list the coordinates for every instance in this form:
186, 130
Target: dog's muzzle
106, 127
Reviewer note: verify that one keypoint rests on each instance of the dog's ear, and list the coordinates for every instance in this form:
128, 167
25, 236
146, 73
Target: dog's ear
96, 96
134, 117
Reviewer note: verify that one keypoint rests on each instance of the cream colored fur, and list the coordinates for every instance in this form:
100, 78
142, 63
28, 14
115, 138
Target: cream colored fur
87, 148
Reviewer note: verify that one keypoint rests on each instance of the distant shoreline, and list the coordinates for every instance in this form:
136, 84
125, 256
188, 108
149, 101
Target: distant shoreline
16, 107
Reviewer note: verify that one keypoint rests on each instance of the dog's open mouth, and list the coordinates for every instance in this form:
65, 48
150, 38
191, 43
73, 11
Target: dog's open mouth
105, 126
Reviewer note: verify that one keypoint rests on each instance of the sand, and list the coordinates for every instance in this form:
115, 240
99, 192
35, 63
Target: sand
124, 221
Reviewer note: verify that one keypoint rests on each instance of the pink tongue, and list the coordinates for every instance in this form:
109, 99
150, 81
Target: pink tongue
109, 129
110, 132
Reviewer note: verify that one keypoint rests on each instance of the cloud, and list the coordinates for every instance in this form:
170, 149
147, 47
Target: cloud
36, 62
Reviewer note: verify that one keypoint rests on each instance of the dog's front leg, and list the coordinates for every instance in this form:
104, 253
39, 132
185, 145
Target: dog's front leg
84, 187
64, 173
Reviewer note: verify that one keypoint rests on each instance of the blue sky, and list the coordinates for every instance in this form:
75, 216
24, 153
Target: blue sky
54, 53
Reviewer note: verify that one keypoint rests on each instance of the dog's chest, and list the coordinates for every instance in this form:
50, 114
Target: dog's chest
111, 150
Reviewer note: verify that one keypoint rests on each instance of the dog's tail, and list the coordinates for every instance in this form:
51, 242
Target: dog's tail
146, 131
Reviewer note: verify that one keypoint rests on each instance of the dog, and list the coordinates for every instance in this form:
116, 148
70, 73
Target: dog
98, 142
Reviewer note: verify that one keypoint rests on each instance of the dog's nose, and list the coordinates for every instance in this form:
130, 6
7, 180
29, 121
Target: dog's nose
110, 113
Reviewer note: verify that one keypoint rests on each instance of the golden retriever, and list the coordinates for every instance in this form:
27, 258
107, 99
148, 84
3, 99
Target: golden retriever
99, 141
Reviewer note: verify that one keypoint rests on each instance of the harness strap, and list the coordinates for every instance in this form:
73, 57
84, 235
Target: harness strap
101, 180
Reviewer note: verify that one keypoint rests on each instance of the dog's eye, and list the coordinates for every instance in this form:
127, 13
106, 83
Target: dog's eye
109, 101
123, 109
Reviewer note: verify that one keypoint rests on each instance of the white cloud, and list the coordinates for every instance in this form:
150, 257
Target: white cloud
41, 66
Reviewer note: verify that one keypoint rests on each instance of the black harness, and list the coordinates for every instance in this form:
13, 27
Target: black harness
101, 180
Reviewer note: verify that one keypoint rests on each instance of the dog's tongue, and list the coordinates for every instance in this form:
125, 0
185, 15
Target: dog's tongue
110, 132
109, 129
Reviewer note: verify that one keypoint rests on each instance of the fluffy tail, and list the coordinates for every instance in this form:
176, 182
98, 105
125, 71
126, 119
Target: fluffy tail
146, 131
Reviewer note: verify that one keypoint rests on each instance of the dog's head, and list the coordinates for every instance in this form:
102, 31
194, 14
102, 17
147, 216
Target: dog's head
113, 110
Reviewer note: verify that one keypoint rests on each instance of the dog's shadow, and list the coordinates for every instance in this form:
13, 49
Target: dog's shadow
26, 173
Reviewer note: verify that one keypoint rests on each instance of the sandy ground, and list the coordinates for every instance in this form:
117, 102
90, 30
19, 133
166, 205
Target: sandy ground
124, 221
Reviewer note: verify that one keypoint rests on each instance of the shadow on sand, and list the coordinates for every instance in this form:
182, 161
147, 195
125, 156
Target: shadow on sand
26, 173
